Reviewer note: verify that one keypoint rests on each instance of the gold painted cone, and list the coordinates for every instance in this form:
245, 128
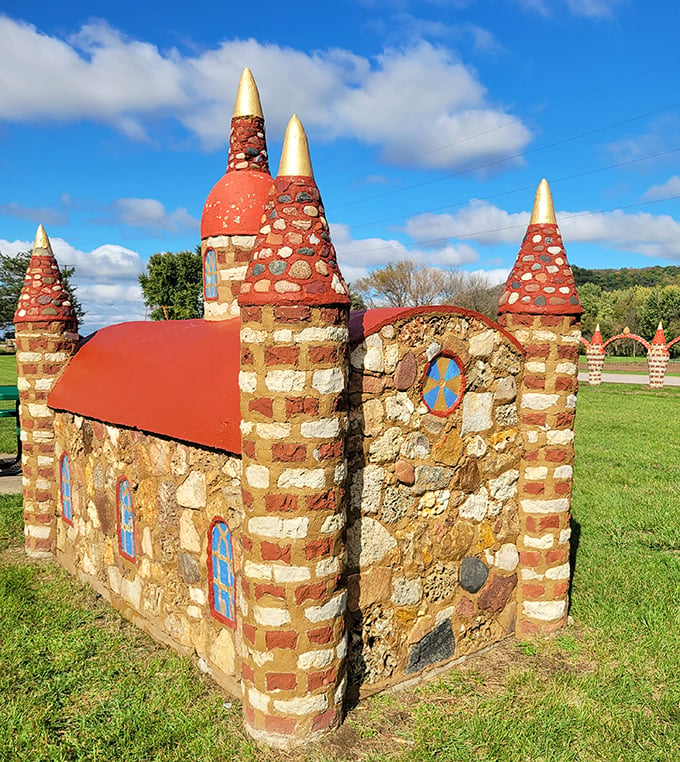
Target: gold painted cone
544, 211
295, 152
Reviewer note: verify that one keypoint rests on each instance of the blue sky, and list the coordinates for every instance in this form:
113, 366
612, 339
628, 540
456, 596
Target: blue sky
430, 125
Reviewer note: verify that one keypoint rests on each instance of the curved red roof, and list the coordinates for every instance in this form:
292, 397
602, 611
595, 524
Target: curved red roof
177, 378
235, 204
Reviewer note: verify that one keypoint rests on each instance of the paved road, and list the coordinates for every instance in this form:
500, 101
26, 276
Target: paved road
629, 378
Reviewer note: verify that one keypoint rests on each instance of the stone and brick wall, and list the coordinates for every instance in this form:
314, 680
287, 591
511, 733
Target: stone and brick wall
177, 490
293, 406
547, 407
43, 350
433, 516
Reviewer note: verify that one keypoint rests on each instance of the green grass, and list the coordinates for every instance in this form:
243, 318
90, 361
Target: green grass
78, 682
8, 432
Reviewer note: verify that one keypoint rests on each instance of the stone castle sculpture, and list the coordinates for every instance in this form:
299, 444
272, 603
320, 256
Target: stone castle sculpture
319, 503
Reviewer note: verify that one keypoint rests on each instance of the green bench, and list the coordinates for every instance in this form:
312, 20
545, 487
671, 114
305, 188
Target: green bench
11, 393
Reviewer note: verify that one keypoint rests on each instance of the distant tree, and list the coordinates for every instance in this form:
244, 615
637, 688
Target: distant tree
172, 285
12, 273
408, 284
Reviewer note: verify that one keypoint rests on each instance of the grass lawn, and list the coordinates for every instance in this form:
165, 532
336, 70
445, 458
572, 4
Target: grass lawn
78, 682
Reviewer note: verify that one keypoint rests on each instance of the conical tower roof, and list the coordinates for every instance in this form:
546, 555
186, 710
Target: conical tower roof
234, 205
294, 260
597, 337
659, 337
43, 297
541, 281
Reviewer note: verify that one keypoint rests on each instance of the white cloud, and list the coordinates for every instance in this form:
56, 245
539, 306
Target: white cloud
100, 75
357, 257
589, 8
641, 232
665, 190
150, 214
106, 280
39, 214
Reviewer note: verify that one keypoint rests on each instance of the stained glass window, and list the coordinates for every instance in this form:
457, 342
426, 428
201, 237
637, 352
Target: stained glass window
221, 568
126, 521
443, 384
210, 275
66, 504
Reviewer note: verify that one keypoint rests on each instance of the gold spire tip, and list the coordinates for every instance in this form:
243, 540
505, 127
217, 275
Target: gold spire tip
247, 97
660, 327
41, 239
597, 328
543, 212
295, 152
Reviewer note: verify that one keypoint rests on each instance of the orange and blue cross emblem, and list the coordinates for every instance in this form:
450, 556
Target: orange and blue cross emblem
443, 384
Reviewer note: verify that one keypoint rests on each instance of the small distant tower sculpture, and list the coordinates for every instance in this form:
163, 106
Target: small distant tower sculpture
294, 338
657, 359
541, 308
595, 354
232, 211
47, 336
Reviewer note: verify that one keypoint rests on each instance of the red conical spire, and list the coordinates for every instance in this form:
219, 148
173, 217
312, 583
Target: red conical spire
597, 337
541, 281
294, 260
659, 337
43, 296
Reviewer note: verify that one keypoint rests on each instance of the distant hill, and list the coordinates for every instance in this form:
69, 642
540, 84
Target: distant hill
614, 280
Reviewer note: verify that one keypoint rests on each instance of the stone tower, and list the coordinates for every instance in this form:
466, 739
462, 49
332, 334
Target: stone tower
595, 354
47, 337
657, 359
294, 337
232, 211
540, 307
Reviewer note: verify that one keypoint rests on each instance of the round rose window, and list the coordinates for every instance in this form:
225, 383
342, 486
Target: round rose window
443, 384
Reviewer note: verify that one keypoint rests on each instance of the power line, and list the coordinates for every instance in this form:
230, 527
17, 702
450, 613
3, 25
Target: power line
553, 181
511, 157
477, 233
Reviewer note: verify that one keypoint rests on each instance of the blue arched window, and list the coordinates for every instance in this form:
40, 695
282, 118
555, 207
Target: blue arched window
210, 275
66, 502
221, 573
126, 520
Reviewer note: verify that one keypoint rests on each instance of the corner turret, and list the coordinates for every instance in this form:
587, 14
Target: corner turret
232, 211
657, 359
293, 381
541, 308
47, 337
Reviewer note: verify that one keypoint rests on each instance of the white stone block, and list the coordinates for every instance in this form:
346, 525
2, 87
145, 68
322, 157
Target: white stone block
282, 573
481, 345
505, 486
546, 611
541, 543
535, 367
285, 380
247, 381
329, 381
41, 384
272, 526
311, 478
327, 567
331, 333
258, 700
566, 367
257, 476
399, 407
333, 523
477, 409
283, 336
475, 506
301, 706
189, 538
192, 492
131, 591
38, 410
559, 437
559, 505
538, 401
558, 572
234, 273
323, 428
316, 659
536, 473
507, 557
334, 608
565, 534
563, 472
197, 595
269, 617
273, 430
251, 570
252, 336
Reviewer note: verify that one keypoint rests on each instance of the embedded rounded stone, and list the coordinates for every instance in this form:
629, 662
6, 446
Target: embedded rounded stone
321, 267
277, 267
300, 270
406, 372
473, 574
405, 472
496, 594
429, 478
258, 269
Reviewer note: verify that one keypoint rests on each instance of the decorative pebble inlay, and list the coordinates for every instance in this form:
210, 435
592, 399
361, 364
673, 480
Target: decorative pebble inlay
541, 281
43, 297
247, 144
293, 259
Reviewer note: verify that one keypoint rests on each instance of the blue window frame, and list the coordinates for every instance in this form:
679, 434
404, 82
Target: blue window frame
126, 520
221, 573
210, 275
66, 502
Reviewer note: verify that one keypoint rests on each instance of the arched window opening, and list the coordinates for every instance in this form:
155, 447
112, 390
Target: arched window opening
65, 487
210, 275
221, 573
126, 521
